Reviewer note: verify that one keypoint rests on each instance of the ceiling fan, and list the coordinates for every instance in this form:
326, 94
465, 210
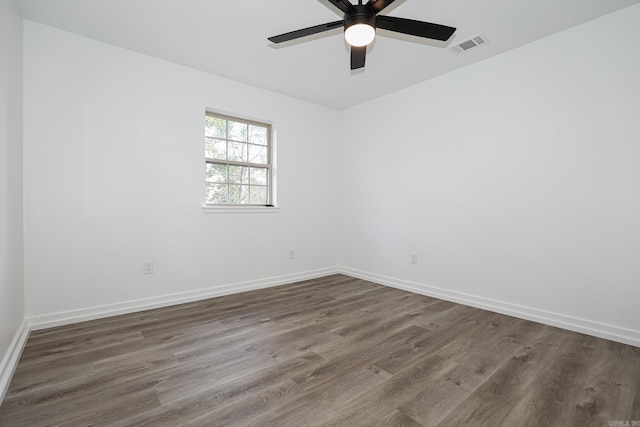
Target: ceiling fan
360, 23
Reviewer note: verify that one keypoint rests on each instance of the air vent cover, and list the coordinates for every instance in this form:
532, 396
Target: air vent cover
470, 43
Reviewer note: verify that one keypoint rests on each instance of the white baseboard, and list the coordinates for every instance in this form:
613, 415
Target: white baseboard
91, 313
12, 356
588, 327
601, 330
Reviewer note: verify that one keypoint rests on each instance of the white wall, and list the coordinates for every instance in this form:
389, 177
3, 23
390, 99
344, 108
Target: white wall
114, 176
516, 180
11, 266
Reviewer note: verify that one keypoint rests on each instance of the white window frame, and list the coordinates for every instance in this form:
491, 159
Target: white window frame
270, 206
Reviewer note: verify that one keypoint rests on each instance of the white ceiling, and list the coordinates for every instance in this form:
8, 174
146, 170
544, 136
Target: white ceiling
229, 38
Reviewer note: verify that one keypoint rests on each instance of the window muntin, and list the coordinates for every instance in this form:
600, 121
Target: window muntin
238, 164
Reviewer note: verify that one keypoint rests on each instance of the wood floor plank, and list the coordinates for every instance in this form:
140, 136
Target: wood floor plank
379, 401
396, 418
323, 398
608, 386
333, 351
216, 397
500, 398
475, 361
413, 380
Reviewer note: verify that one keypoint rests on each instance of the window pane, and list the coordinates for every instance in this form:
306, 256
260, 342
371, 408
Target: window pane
237, 151
232, 148
239, 174
215, 148
258, 176
217, 194
216, 127
258, 154
238, 131
258, 195
258, 135
216, 173
239, 194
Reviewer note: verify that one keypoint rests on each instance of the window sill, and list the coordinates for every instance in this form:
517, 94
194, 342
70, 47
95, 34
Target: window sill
215, 209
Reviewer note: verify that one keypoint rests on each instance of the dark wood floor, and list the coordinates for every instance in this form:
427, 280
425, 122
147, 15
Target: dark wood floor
332, 351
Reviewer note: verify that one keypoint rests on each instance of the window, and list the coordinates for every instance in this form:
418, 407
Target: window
237, 161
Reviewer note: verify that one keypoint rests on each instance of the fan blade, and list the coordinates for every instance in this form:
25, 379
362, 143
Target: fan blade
358, 55
378, 5
343, 5
305, 32
416, 28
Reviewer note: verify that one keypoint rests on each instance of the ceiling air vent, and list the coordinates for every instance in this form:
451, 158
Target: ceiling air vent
470, 44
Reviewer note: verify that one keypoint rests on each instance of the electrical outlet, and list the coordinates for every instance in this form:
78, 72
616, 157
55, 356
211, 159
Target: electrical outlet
147, 267
414, 258
292, 253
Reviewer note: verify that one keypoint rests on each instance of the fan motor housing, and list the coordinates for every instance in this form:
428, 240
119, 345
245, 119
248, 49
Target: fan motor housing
360, 15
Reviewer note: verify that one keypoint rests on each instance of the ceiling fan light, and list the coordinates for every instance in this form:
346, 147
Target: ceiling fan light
359, 34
